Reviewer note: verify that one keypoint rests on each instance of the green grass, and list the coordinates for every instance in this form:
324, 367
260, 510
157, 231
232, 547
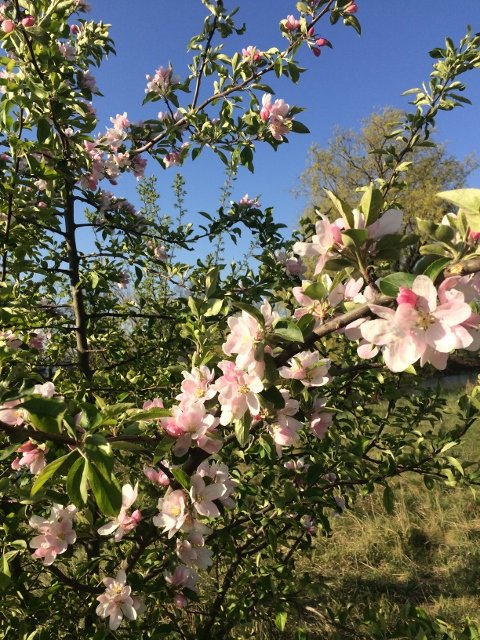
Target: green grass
426, 553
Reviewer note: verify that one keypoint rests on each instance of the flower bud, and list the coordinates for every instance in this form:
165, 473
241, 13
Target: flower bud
352, 8
322, 42
180, 601
28, 21
316, 51
406, 296
8, 26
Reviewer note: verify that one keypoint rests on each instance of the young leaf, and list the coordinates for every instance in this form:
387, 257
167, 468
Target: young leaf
77, 487
106, 490
57, 466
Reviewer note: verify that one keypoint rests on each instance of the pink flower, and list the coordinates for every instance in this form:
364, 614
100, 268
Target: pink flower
327, 237
173, 512
251, 54
123, 523
347, 292
285, 430
307, 367
203, 496
290, 23
189, 421
322, 42
237, 392
47, 390
419, 331
352, 8
197, 385
320, 420
56, 533
161, 82
117, 602
389, 223
182, 577
246, 201
10, 415
33, 457
315, 308
157, 476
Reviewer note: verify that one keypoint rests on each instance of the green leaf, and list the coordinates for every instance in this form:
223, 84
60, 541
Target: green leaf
5, 575
242, 429
435, 268
355, 237
181, 477
390, 285
273, 395
45, 414
146, 415
343, 208
288, 330
281, 620
316, 291
77, 487
57, 466
44, 130
389, 500
468, 200
298, 127
106, 491
371, 204
213, 307
251, 310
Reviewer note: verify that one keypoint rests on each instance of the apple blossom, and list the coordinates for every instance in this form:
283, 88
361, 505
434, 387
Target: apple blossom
117, 602
55, 533
419, 328
33, 457
123, 523
309, 368
173, 512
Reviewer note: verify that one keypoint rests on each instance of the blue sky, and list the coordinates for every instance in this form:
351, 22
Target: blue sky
341, 87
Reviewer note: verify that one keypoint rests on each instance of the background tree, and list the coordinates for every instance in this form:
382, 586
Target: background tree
352, 159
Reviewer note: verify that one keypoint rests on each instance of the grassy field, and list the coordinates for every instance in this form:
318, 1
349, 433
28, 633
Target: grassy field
427, 553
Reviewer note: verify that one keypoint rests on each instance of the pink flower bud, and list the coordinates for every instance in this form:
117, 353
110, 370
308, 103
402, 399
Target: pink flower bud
180, 601
474, 235
310, 32
352, 8
406, 296
8, 26
316, 51
322, 42
74, 29
28, 21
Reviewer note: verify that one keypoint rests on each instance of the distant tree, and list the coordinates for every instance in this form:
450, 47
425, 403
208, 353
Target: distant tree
352, 159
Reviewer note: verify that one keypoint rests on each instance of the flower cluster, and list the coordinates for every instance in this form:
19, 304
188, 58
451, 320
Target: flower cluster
276, 115
55, 533
426, 325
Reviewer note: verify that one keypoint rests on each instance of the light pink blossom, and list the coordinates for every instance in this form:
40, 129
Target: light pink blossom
123, 523
33, 457
55, 533
309, 368
117, 602
419, 328
237, 392
173, 512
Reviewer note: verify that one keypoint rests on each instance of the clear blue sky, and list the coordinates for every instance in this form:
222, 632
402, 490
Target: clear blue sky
341, 87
